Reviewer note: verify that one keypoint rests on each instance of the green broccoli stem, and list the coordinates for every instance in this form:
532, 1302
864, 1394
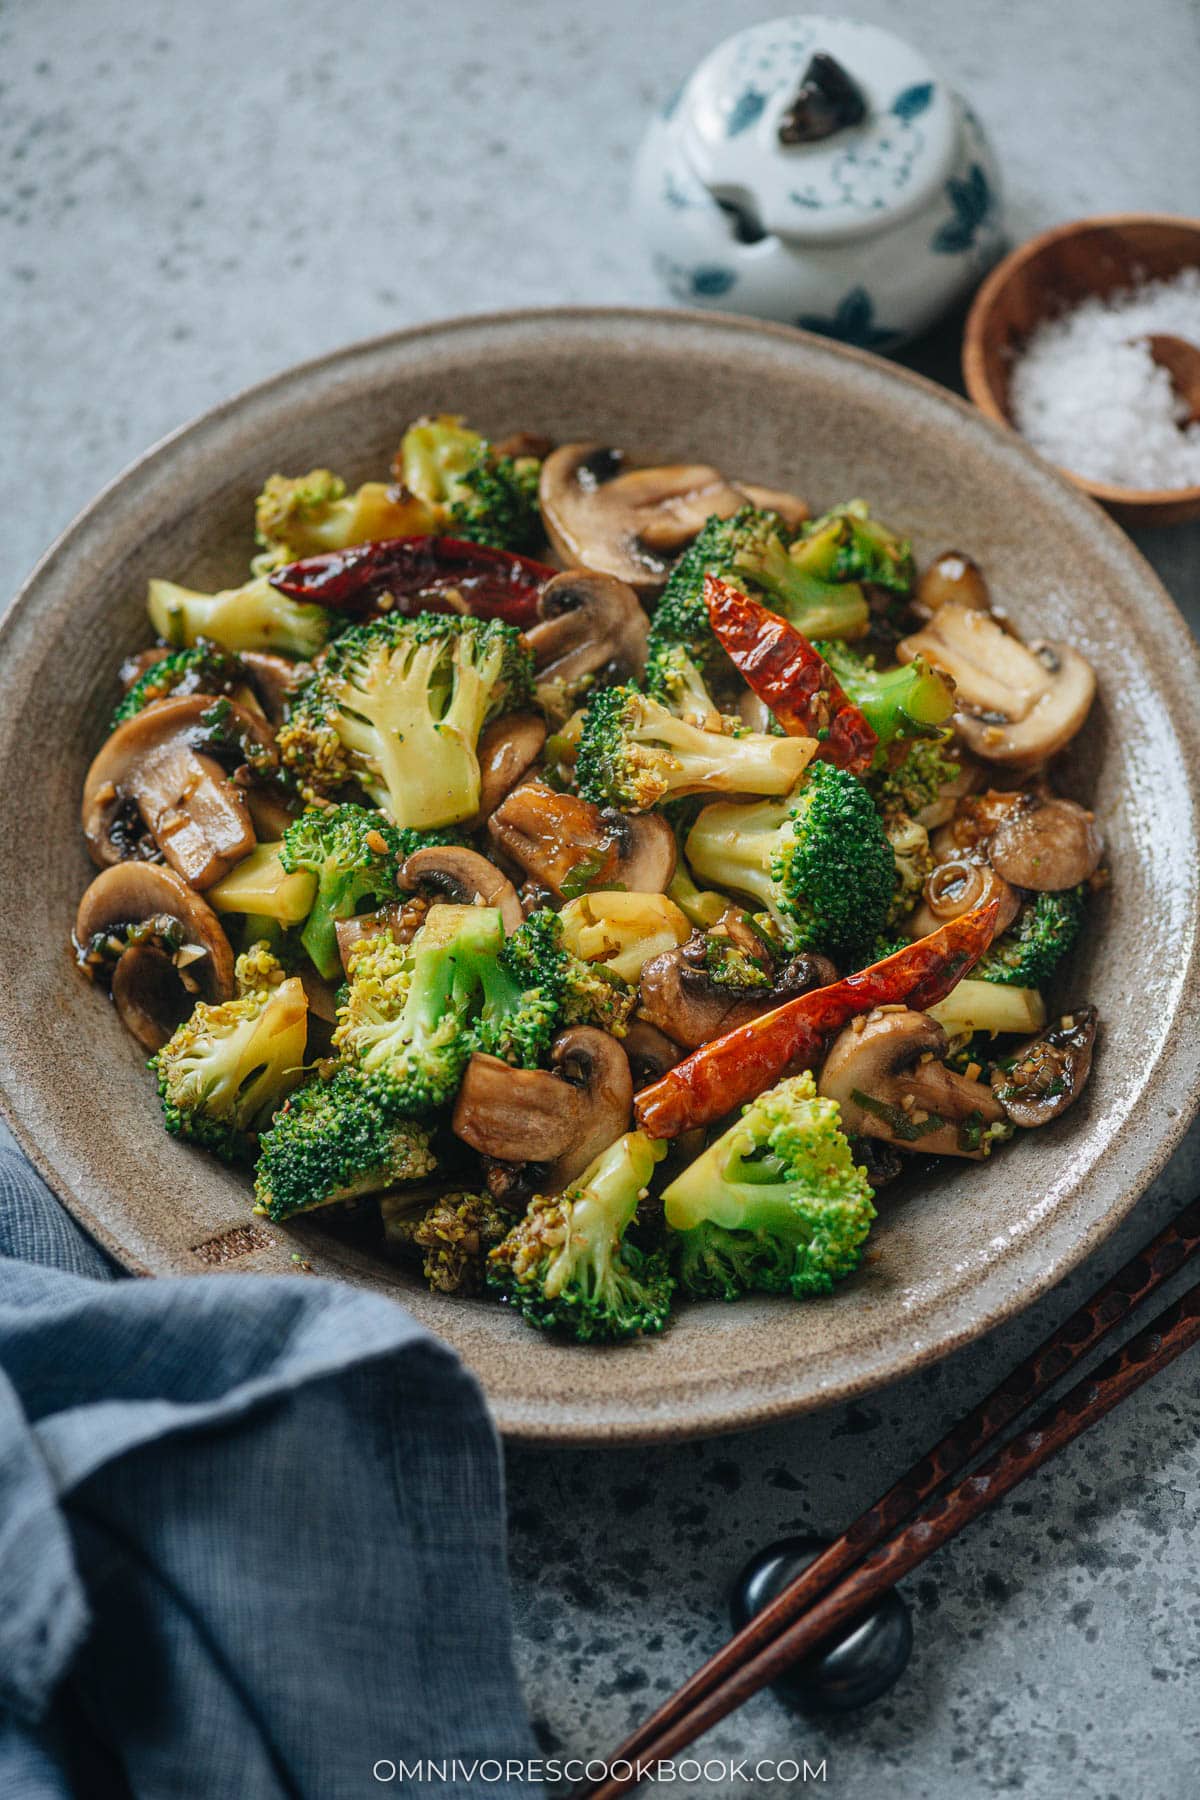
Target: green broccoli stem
605, 1199
799, 582
911, 701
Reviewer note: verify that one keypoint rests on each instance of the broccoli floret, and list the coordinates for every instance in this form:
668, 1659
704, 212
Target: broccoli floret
737, 954
254, 617
333, 1141
434, 456
914, 860
634, 753
802, 580
679, 685
910, 701
305, 515
917, 781
397, 705
496, 503
354, 854
776, 1205
866, 548
537, 958
406, 1022
1028, 953
230, 1066
477, 495
534, 987
203, 669
567, 1265
452, 1237
818, 860
680, 622
617, 933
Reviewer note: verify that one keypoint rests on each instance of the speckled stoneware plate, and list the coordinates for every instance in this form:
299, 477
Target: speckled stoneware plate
971, 1247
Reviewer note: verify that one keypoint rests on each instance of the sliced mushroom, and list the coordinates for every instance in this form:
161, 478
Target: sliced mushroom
587, 621
953, 888
886, 1072
149, 997
597, 1066
1046, 845
462, 877
566, 1115
508, 748
178, 947
679, 996
520, 444
650, 1051
569, 845
402, 918
134, 667
1048, 1073
951, 579
272, 809
1018, 704
158, 760
969, 832
941, 808
275, 679
602, 513
791, 509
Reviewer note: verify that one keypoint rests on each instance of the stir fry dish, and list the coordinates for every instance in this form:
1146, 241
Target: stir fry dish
593, 880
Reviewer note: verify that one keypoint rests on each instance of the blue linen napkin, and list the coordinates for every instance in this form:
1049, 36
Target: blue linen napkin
251, 1535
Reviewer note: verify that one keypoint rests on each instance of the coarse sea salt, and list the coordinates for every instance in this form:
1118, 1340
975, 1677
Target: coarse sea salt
1088, 394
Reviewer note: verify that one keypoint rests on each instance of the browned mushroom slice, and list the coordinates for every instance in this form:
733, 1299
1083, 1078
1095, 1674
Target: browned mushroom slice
602, 513
402, 918
650, 1052
596, 1065
1048, 1072
508, 749
886, 1072
520, 444
561, 1117
196, 816
272, 809
951, 579
1017, 704
163, 944
1046, 845
462, 877
274, 679
134, 667
791, 509
587, 621
953, 888
510, 1114
678, 995
569, 845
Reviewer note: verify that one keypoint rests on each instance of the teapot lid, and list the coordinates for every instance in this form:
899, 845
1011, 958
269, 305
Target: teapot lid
823, 149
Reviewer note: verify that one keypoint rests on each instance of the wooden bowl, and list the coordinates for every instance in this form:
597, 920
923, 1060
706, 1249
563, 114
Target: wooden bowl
1060, 268
959, 1248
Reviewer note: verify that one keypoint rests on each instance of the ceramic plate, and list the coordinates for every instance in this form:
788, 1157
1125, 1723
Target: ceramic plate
969, 1247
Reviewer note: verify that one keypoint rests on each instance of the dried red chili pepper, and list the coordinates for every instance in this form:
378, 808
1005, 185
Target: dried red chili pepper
784, 670
723, 1075
419, 573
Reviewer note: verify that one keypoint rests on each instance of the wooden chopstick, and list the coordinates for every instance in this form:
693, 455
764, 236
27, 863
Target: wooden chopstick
785, 1630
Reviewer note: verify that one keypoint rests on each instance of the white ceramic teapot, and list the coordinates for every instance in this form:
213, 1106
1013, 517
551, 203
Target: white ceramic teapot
819, 171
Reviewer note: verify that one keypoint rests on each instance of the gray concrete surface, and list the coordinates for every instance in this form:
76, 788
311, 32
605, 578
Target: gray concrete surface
196, 196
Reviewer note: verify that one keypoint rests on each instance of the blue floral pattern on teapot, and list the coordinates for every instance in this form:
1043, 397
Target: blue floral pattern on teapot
866, 236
